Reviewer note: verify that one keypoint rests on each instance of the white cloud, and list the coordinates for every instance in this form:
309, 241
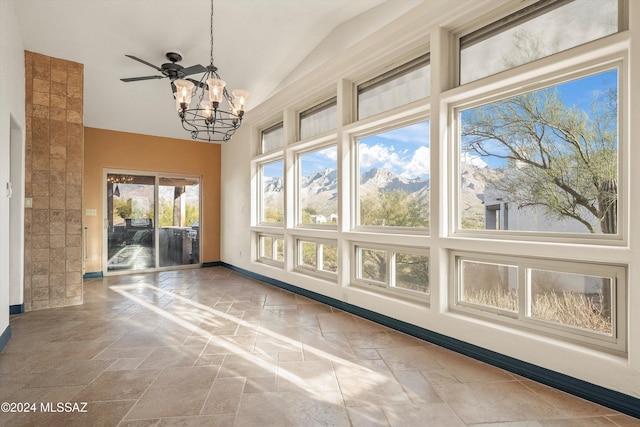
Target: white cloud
419, 164
378, 156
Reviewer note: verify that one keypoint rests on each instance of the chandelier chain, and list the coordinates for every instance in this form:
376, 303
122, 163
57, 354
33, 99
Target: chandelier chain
211, 25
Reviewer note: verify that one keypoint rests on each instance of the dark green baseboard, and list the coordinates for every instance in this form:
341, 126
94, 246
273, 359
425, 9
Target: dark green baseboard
92, 275
212, 264
16, 309
603, 396
4, 338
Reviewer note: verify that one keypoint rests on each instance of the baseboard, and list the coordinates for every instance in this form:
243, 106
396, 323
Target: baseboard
212, 264
92, 275
16, 309
603, 396
4, 338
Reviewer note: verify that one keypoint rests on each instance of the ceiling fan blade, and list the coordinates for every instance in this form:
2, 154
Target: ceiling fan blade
144, 62
194, 69
135, 79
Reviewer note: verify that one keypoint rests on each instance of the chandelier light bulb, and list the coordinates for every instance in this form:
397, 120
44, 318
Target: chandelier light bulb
216, 90
184, 89
207, 110
240, 100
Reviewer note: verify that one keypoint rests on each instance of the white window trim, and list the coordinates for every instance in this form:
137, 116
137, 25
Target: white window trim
273, 261
489, 94
260, 191
366, 131
387, 288
614, 343
309, 270
319, 146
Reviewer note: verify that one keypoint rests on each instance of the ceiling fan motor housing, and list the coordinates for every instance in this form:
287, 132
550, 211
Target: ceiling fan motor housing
173, 56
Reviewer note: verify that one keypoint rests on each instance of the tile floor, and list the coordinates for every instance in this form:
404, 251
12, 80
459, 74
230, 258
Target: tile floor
210, 347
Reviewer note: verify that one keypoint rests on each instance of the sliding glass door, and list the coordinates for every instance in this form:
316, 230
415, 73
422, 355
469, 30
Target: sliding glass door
152, 221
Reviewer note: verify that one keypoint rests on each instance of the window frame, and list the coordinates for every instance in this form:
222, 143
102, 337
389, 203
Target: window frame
316, 271
355, 176
273, 261
512, 17
298, 187
385, 76
615, 343
389, 287
260, 192
617, 61
318, 107
268, 129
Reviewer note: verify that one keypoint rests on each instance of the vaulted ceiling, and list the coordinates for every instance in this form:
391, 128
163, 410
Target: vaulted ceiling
259, 45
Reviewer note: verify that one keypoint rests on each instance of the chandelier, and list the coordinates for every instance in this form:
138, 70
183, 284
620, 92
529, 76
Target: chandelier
209, 119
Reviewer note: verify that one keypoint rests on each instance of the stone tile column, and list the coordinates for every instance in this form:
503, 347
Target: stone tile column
53, 181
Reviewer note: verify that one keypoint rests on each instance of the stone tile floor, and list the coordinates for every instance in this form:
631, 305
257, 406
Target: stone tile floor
210, 347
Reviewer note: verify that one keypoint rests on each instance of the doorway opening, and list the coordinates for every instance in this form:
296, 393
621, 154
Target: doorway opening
153, 221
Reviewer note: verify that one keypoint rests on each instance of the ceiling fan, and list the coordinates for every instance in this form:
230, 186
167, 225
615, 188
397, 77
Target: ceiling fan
172, 70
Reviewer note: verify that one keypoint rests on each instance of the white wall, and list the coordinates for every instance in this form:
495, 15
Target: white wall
620, 373
12, 119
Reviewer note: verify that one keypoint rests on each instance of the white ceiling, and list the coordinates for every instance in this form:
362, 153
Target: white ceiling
258, 44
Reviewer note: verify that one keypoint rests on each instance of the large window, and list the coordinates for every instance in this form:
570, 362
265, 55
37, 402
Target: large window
540, 30
394, 177
543, 161
530, 125
563, 298
397, 87
318, 186
271, 181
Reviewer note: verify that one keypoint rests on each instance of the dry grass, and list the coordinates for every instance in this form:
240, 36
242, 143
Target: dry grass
566, 308
572, 308
492, 298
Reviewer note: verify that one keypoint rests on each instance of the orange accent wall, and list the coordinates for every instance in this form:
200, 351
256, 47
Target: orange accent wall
106, 149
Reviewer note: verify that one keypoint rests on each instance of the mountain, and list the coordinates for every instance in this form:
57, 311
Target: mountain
378, 179
319, 189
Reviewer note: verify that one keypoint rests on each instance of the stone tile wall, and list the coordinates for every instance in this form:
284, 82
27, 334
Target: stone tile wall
53, 180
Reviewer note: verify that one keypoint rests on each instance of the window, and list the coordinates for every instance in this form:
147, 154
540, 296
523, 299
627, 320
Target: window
394, 177
271, 181
271, 249
397, 87
489, 285
399, 270
318, 186
319, 119
179, 220
550, 155
272, 138
317, 257
534, 32
570, 299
